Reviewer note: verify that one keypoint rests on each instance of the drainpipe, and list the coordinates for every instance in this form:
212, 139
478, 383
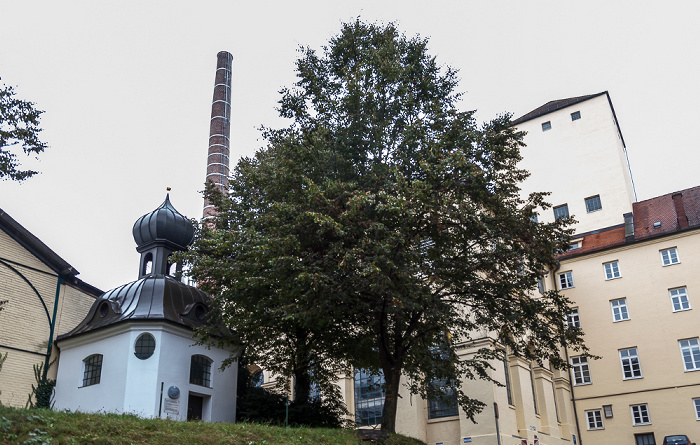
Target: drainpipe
59, 282
566, 355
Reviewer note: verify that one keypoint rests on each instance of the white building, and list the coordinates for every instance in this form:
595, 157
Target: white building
135, 351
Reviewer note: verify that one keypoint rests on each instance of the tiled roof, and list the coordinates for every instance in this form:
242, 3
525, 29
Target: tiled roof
554, 105
662, 215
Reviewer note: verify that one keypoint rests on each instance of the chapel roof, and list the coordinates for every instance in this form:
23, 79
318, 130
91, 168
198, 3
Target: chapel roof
554, 105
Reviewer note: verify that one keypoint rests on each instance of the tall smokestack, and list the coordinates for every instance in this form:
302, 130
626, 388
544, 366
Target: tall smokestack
219, 128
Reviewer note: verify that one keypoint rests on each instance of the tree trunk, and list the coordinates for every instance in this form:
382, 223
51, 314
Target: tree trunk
392, 378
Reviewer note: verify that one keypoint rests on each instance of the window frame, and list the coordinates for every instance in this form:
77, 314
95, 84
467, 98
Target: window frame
614, 270
439, 408
632, 359
569, 276
622, 307
92, 370
573, 319
201, 364
679, 296
371, 393
671, 252
145, 346
597, 419
640, 407
562, 206
693, 353
579, 365
696, 405
593, 200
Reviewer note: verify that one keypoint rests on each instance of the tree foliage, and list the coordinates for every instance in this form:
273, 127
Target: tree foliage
384, 228
19, 129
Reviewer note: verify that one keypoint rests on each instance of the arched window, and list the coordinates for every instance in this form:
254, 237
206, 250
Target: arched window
147, 264
200, 371
369, 397
92, 369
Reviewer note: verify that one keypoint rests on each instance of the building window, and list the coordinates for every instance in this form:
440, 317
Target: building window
145, 346
200, 371
561, 211
631, 369
573, 320
576, 115
696, 404
506, 370
679, 299
92, 370
445, 406
582, 374
566, 280
257, 379
690, 351
669, 256
644, 439
640, 415
369, 397
593, 204
534, 392
547, 126
607, 409
612, 270
619, 310
594, 419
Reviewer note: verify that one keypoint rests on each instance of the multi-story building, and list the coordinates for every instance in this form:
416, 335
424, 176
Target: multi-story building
44, 299
634, 286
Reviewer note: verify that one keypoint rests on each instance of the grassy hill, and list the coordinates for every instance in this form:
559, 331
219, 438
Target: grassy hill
34, 427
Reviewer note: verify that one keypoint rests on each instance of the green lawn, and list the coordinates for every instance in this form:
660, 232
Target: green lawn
20, 426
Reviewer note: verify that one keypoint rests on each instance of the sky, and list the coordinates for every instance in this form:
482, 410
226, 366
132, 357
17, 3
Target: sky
127, 88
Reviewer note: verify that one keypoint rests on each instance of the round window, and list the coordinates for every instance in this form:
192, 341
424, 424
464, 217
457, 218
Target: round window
145, 345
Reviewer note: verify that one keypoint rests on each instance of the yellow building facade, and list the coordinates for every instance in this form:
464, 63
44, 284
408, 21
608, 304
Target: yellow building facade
44, 299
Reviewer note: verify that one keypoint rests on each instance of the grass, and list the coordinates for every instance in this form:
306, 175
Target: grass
38, 427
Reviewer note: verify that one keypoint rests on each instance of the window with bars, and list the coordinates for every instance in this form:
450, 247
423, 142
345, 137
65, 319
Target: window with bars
445, 406
200, 371
369, 397
593, 204
669, 256
573, 320
612, 270
561, 211
631, 368
690, 351
566, 280
679, 299
594, 419
581, 371
619, 310
92, 370
145, 346
640, 414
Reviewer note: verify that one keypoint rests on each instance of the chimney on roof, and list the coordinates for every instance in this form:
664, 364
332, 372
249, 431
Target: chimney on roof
680, 210
219, 128
629, 227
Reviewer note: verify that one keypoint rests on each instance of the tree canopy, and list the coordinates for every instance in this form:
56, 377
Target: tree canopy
383, 228
19, 129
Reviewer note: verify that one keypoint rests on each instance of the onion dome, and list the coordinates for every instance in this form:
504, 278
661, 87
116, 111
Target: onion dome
151, 298
164, 225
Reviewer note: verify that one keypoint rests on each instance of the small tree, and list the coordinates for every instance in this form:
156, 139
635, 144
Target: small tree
19, 128
384, 228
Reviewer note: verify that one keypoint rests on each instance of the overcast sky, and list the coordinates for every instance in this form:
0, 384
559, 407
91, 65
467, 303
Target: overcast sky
127, 87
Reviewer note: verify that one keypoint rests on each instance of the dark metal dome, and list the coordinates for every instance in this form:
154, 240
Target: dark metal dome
164, 224
152, 298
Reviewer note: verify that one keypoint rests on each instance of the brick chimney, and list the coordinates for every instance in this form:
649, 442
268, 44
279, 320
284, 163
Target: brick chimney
680, 210
219, 128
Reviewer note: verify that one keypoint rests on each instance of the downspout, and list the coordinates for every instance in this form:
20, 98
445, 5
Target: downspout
566, 355
59, 283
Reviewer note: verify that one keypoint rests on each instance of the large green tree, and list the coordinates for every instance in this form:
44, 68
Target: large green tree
19, 132
384, 228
